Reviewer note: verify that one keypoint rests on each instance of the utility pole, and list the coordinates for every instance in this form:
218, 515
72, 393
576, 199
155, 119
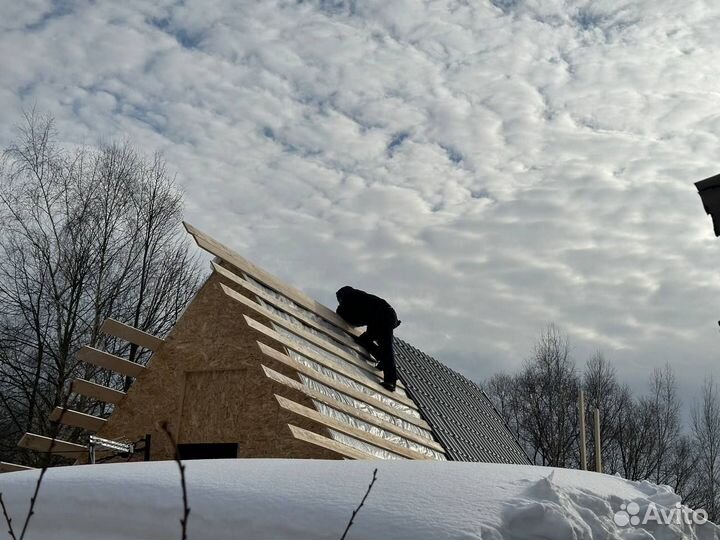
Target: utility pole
598, 458
583, 449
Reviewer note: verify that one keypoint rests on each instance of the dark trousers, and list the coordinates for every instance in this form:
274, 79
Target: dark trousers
378, 340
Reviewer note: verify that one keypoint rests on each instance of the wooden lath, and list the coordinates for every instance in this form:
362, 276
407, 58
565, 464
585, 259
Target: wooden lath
68, 417
109, 361
347, 429
97, 391
131, 334
371, 380
343, 389
6, 467
40, 443
223, 252
333, 332
294, 345
328, 444
301, 348
326, 345
352, 411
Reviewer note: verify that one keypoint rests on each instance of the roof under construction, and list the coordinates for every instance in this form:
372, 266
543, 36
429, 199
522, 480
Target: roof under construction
255, 368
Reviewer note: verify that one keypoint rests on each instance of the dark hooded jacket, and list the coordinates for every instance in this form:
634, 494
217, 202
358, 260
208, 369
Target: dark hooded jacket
359, 308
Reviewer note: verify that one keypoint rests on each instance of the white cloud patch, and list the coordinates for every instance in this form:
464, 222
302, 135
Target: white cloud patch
487, 166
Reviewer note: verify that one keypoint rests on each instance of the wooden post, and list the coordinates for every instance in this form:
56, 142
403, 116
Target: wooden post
146, 450
583, 448
598, 458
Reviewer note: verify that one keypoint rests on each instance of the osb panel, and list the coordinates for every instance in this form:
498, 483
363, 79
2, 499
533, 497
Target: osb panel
212, 337
206, 394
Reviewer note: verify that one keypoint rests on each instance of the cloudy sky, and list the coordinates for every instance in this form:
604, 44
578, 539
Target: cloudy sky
489, 166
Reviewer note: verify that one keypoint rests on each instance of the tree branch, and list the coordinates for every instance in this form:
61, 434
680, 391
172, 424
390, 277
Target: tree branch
11, 532
33, 499
186, 509
362, 502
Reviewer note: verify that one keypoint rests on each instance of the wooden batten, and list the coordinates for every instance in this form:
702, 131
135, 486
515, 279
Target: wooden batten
223, 252
6, 467
352, 411
40, 443
97, 391
352, 431
372, 381
329, 444
109, 361
352, 392
334, 332
68, 417
372, 374
131, 334
295, 329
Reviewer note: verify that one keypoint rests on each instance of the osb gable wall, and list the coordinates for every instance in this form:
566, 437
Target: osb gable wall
206, 382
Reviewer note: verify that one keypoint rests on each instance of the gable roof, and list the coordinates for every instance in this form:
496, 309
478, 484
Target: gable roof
309, 389
462, 417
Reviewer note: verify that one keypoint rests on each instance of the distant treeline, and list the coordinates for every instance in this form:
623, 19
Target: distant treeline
642, 437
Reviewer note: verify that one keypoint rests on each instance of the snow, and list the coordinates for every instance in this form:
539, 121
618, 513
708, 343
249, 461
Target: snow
312, 499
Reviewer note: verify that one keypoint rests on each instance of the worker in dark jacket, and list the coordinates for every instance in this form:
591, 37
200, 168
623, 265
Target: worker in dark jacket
359, 308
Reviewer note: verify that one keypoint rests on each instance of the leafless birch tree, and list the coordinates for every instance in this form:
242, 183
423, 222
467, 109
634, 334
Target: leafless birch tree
85, 234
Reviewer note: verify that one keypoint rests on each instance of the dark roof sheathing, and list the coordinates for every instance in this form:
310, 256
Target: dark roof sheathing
462, 417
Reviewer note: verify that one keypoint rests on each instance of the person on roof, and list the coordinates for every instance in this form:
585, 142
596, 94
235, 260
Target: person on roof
359, 308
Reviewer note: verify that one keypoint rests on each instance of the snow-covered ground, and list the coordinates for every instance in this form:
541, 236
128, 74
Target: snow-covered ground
298, 500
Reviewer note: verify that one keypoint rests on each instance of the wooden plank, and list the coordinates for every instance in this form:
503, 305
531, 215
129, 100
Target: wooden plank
109, 361
347, 429
39, 443
223, 252
97, 391
329, 444
371, 380
371, 371
334, 332
115, 328
332, 383
77, 419
369, 368
13, 467
326, 345
352, 411
312, 338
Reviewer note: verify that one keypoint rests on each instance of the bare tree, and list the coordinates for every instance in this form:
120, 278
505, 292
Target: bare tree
649, 431
502, 391
548, 392
636, 438
666, 417
602, 391
682, 472
86, 234
641, 437
705, 417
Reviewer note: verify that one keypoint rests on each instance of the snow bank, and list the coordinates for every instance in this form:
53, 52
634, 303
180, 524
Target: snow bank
298, 500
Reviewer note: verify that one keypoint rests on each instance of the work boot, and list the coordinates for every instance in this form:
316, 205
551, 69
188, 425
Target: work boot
388, 386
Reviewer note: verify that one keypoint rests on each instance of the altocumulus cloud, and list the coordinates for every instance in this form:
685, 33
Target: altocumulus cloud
489, 166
